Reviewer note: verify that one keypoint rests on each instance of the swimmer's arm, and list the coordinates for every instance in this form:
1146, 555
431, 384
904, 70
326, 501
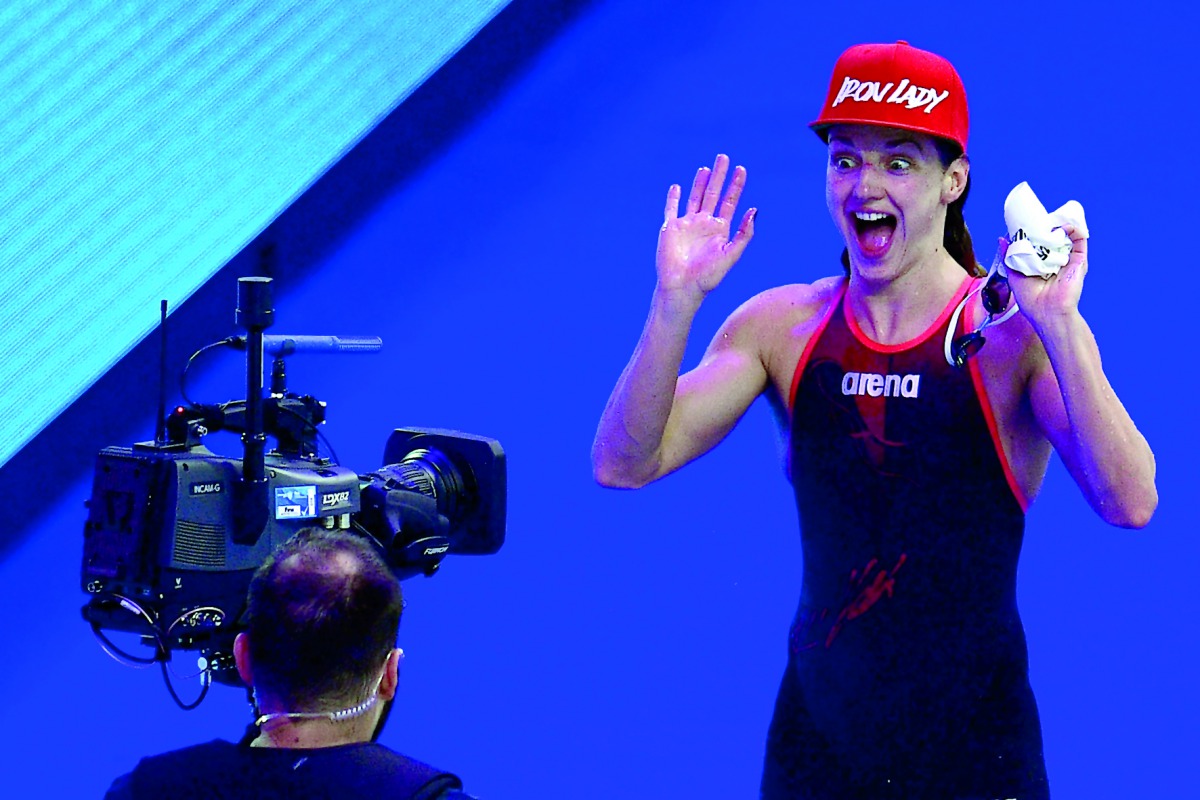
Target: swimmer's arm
1073, 402
655, 422
1080, 413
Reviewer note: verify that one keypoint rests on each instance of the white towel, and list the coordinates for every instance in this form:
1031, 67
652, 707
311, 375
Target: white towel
1038, 246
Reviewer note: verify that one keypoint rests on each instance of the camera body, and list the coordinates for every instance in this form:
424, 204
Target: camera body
175, 532
162, 534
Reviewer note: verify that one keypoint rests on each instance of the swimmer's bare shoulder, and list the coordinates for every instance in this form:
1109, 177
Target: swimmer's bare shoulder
778, 323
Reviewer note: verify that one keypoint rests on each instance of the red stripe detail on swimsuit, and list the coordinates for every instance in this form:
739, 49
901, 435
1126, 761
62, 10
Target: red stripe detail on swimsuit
812, 342
870, 344
985, 405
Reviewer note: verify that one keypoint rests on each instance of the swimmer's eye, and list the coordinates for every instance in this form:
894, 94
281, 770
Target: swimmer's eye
898, 164
842, 163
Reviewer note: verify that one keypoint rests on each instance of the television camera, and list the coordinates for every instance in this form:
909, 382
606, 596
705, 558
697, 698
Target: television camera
175, 532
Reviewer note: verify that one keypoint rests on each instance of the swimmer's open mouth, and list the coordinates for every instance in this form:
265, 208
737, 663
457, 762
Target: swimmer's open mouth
874, 230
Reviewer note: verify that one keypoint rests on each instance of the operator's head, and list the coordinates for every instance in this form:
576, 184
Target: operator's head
898, 87
324, 611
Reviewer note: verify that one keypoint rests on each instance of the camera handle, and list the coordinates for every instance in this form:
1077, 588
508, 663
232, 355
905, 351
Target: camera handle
254, 314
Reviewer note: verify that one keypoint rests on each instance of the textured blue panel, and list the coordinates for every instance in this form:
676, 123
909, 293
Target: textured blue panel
143, 144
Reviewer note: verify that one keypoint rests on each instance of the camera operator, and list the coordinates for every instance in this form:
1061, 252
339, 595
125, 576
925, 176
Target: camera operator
319, 653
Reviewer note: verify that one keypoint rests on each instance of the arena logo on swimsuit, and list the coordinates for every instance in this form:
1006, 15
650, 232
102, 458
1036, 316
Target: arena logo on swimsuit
876, 385
870, 91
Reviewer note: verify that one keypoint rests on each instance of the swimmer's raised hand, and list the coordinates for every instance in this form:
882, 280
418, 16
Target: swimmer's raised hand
695, 250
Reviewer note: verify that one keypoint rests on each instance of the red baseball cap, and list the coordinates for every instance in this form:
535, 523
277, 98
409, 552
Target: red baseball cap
897, 86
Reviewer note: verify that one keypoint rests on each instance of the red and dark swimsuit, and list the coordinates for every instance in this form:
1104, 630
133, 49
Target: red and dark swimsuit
907, 673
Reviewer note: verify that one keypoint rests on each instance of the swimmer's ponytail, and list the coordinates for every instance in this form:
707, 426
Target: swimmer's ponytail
957, 239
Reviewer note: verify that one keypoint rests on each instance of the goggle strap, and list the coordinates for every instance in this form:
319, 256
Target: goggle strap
1012, 309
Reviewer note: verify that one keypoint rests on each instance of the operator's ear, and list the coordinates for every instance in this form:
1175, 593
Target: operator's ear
241, 657
954, 181
391, 674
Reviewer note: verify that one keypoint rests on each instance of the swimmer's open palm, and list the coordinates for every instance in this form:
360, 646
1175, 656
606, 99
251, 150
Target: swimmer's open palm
695, 250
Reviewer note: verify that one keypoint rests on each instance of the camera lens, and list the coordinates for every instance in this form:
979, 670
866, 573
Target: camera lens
431, 473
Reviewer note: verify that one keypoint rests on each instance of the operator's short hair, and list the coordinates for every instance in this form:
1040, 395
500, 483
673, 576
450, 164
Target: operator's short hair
323, 614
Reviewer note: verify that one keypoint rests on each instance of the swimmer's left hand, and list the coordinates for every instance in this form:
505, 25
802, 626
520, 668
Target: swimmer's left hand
1047, 301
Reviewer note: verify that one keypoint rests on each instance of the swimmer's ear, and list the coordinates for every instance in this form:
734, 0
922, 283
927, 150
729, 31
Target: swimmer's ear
954, 180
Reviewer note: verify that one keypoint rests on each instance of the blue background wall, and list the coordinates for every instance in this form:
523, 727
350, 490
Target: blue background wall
144, 143
498, 232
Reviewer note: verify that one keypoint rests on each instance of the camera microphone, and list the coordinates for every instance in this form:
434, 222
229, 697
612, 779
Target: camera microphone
286, 345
